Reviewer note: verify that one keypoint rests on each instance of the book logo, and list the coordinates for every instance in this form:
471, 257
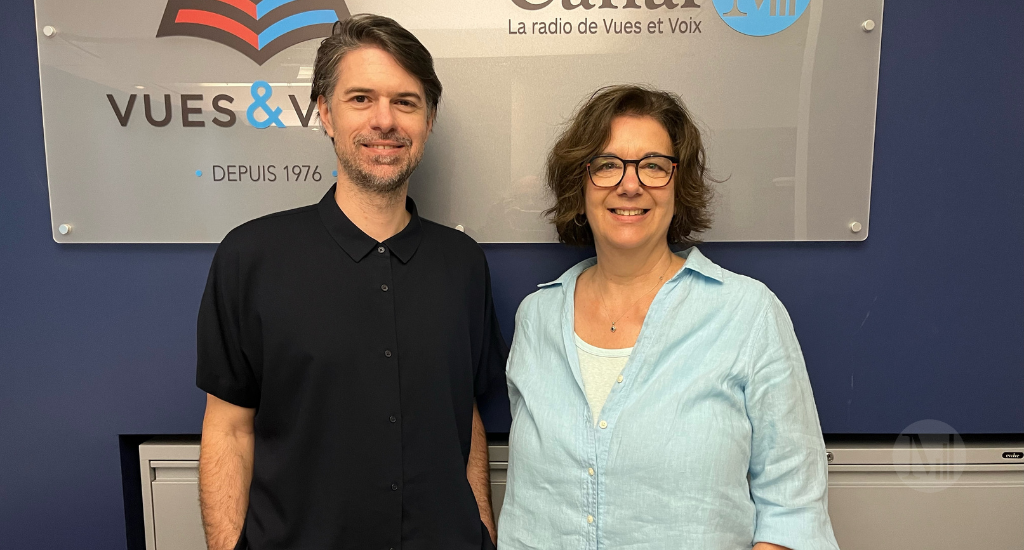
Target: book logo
258, 29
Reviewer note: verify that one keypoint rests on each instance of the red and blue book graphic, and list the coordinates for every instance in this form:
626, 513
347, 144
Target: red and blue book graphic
259, 29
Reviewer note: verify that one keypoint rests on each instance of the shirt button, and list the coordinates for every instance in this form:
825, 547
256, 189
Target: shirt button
603, 424
590, 519
590, 471
387, 353
619, 379
394, 486
393, 419
384, 288
380, 249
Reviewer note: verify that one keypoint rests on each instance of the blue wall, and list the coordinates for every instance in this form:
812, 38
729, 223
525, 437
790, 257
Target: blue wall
923, 320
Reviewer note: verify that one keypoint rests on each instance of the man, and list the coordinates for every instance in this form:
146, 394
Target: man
342, 344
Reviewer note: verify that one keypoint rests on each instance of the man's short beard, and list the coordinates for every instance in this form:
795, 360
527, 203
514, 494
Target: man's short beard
373, 183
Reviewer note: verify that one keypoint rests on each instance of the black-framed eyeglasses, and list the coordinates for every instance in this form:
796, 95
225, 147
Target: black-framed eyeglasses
652, 170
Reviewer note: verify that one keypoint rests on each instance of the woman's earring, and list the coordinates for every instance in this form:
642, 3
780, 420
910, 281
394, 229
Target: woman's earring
576, 220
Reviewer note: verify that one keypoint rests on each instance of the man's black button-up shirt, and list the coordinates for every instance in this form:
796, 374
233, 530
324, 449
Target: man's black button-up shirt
362, 360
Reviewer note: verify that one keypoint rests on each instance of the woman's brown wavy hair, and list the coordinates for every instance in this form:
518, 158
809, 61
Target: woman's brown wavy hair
588, 133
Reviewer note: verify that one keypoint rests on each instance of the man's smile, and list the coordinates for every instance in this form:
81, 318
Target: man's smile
382, 147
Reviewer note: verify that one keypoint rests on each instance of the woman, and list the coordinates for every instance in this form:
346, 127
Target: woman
658, 400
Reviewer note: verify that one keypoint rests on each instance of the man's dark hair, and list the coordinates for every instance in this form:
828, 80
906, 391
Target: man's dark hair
589, 131
380, 32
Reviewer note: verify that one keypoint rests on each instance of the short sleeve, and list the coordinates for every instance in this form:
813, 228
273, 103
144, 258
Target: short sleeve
788, 466
493, 350
223, 368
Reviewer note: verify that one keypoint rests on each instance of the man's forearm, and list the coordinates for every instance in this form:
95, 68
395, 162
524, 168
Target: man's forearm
225, 472
479, 475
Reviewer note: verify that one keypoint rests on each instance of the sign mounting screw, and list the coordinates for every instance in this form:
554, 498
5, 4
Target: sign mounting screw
868, 25
855, 227
49, 31
460, 228
64, 228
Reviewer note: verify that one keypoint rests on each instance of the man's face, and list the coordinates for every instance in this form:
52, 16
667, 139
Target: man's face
379, 120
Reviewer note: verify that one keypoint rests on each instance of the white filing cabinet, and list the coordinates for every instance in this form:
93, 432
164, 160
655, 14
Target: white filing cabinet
170, 495
878, 499
170, 492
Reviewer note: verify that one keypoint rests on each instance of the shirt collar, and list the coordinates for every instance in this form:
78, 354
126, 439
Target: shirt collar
357, 244
695, 261
571, 274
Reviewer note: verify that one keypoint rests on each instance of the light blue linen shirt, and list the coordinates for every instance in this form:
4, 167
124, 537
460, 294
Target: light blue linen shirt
715, 389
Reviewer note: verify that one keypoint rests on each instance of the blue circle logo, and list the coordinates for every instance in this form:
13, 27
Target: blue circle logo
760, 17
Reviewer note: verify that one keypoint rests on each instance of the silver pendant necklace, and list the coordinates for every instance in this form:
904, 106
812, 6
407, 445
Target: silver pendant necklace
630, 308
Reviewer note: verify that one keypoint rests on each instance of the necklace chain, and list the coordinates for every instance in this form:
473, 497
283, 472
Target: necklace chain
631, 306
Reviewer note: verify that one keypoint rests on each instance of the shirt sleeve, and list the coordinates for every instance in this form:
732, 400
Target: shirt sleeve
222, 367
493, 351
788, 466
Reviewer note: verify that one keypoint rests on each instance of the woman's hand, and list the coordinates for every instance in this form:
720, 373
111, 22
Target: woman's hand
768, 546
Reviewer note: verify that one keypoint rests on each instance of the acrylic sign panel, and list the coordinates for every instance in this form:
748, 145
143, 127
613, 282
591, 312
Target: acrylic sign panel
176, 120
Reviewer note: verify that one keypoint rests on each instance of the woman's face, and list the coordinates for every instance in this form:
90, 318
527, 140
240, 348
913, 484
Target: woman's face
630, 215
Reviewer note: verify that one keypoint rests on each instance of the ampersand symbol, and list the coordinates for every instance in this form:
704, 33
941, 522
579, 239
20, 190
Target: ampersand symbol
261, 92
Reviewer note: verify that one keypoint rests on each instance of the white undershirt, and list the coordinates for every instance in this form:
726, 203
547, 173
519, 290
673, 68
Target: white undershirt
600, 369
